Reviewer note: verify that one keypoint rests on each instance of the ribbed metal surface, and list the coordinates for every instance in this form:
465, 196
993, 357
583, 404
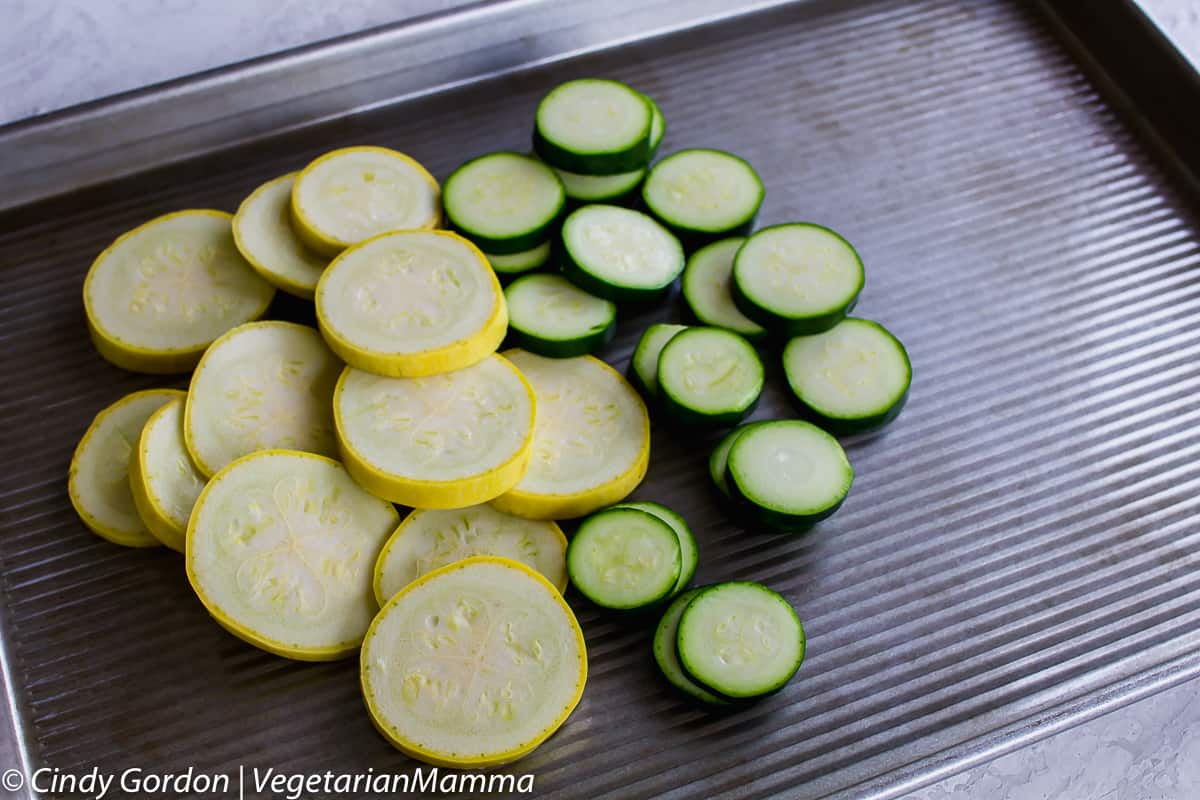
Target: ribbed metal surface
1019, 548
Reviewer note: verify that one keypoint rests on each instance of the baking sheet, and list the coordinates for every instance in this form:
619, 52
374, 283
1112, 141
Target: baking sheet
1019, 549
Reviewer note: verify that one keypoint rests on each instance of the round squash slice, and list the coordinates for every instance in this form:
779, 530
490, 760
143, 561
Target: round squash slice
427, 540
474, 664
262, 228
412, 304
162, 476
98, 483
280, 550
591, 445
446, 441
261, 386
161, 293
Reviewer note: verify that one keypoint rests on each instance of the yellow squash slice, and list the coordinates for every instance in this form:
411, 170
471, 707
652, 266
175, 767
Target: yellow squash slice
429, 540
446, 441
591, 445
412, 304
474, 664
164, 481
98, 483
263, 385
161, 293
350, 195
280, 550
262, 228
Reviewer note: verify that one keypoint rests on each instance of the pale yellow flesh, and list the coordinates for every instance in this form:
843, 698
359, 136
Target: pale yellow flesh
170, 481
262, 228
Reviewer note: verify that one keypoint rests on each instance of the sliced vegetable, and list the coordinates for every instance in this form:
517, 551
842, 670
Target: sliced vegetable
850, 379
411, 304
550, 316
619, 254
591, 444
513, 265
504, 202
615, 189
740, 640
98, 481
262, 228
430, 539
279, 550
658, 125
624, 559
790, 473
350, 195
709, 376
263, 385
688, 551
445, 441
718, 460
159, 295
796, 279
667, 656
473, 665
703, 194
707, 292
164, 480
594, 127
643, 366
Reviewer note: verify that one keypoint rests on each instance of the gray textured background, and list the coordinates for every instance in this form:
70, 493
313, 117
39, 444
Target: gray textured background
55, 53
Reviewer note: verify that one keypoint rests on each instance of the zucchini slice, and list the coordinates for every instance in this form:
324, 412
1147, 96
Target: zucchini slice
473, 665
703, 194
411, 304
789, 472
550, 316
718, 460
643, 366
619, 254
658, 125
262, 228
615, 189
504, 202
707, 292
164, 480
98, 480
445, 441
624, 559
689, 554
709, 376
159, 295
591, 444
430, 539
852, 378
262, 386
280, 550
594, 127
740, 640
796, 279
667, 657
353, 194
513, 265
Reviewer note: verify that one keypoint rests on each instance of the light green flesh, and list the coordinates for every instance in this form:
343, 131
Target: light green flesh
710, 371
853, 370
704, 190
740, 639
623, 247
798, 270
688, 555
589, 188
520, 262
594, 116
667, 656
551, 307
624, 559
477, 662
719, 458
503, 195
706, 287
792, 466
645, 357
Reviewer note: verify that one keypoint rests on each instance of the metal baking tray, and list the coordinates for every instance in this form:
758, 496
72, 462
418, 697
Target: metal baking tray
1020, 550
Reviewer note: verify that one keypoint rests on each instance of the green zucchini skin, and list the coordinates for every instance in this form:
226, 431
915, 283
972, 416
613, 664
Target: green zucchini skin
507, 275
590, 344
849, 427
507, 245
666, 655
772, 519
683, 417
613, 163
